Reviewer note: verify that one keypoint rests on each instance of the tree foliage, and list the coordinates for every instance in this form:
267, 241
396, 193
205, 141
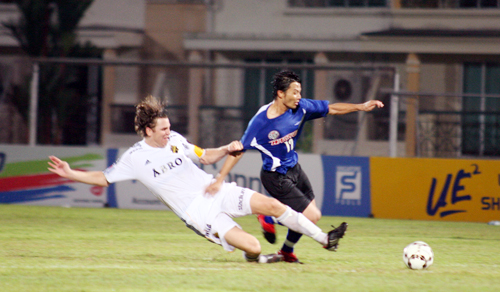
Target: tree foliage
48, 28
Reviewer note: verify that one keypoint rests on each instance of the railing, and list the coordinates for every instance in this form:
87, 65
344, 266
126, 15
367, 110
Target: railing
337, 3
122, 118
437, 4
221, 124
456, 134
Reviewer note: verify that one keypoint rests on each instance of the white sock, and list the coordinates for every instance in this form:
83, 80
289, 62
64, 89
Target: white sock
299, 223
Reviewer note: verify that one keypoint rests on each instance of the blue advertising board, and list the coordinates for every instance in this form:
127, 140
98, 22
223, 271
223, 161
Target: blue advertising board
347, 186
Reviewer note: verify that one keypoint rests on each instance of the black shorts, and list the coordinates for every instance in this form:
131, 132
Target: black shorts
292, 189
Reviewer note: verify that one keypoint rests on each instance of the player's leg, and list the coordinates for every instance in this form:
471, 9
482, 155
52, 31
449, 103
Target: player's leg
224, 230
250, 246
304, 185
261, 204
302, 192
236, 202
284, 187
243, 240
292, 238
295, 190
296, 199
271, 182
312, 212
268, 230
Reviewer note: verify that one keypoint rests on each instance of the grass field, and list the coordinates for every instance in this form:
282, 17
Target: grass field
79, 249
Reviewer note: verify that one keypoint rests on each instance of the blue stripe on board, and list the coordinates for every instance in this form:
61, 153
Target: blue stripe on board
112, 156
33, 195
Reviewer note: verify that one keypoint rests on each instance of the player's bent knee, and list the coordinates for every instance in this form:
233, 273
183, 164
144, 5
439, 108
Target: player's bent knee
316, 216
243, 240
253, 247
313, 214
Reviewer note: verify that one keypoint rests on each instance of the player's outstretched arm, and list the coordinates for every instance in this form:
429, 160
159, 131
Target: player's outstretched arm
230, 162
345, 108
213, 155
62, 168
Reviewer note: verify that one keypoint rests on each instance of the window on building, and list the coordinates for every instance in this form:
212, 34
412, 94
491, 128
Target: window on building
481, 112
478, 3
184, 1
337, 3
446, 4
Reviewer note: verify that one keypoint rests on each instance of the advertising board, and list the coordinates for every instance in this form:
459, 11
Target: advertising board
435, 189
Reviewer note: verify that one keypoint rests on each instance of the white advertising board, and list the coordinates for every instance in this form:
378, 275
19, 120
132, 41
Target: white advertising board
24, 178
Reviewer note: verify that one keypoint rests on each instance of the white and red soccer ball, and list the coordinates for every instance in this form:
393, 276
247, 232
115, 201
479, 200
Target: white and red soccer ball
418, 255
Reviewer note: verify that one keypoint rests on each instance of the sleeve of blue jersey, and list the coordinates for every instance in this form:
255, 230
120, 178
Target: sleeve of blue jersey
314, 108
249, 134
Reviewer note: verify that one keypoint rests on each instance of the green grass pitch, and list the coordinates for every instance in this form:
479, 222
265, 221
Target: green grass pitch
84, 249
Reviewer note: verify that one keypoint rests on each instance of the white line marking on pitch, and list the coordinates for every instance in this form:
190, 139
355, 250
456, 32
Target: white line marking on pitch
116, 267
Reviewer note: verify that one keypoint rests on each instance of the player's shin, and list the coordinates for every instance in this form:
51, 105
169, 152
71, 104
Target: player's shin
299, 223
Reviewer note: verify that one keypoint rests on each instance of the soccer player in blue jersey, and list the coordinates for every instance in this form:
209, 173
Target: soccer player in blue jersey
274, 131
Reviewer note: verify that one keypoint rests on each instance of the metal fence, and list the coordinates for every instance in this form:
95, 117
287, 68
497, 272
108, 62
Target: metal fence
444, 127
447, 128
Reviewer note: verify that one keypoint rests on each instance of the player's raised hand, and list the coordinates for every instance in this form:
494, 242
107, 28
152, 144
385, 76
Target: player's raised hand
59, 167
371, 104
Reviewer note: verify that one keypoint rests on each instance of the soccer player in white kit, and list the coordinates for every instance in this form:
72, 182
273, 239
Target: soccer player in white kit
163, 162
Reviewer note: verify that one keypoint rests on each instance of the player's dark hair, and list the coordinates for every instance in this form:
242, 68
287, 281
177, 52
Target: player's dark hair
146, 114
282, 81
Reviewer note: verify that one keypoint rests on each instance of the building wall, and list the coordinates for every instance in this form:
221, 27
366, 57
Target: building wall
165, 24
125, 14
276, 18
459, 19
243, 29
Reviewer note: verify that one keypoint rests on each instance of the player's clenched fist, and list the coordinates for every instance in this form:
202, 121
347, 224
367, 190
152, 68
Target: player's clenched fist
235, 146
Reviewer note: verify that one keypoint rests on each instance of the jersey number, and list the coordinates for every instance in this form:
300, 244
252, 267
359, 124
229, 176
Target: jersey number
289, 145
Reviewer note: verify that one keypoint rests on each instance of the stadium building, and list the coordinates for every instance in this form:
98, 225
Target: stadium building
438, 61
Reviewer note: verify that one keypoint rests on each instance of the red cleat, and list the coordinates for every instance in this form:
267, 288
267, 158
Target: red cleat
289, 257
267, 229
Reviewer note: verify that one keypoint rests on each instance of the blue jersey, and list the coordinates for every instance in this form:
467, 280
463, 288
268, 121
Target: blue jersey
276, 138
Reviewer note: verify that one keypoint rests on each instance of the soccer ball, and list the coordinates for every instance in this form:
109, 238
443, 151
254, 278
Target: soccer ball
418, 255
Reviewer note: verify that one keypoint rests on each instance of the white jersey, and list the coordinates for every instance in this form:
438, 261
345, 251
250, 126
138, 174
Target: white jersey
169, 172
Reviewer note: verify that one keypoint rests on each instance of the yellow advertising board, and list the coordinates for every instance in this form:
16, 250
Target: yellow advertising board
435, 189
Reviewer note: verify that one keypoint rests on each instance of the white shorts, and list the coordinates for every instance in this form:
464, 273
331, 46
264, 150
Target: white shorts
211, 215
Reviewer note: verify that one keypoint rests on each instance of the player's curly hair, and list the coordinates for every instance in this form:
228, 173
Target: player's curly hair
282, 80
147, 112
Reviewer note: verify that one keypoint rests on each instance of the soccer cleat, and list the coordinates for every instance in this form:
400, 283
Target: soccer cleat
334, 236
270, 258
267, 229
263, 258
289, 257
